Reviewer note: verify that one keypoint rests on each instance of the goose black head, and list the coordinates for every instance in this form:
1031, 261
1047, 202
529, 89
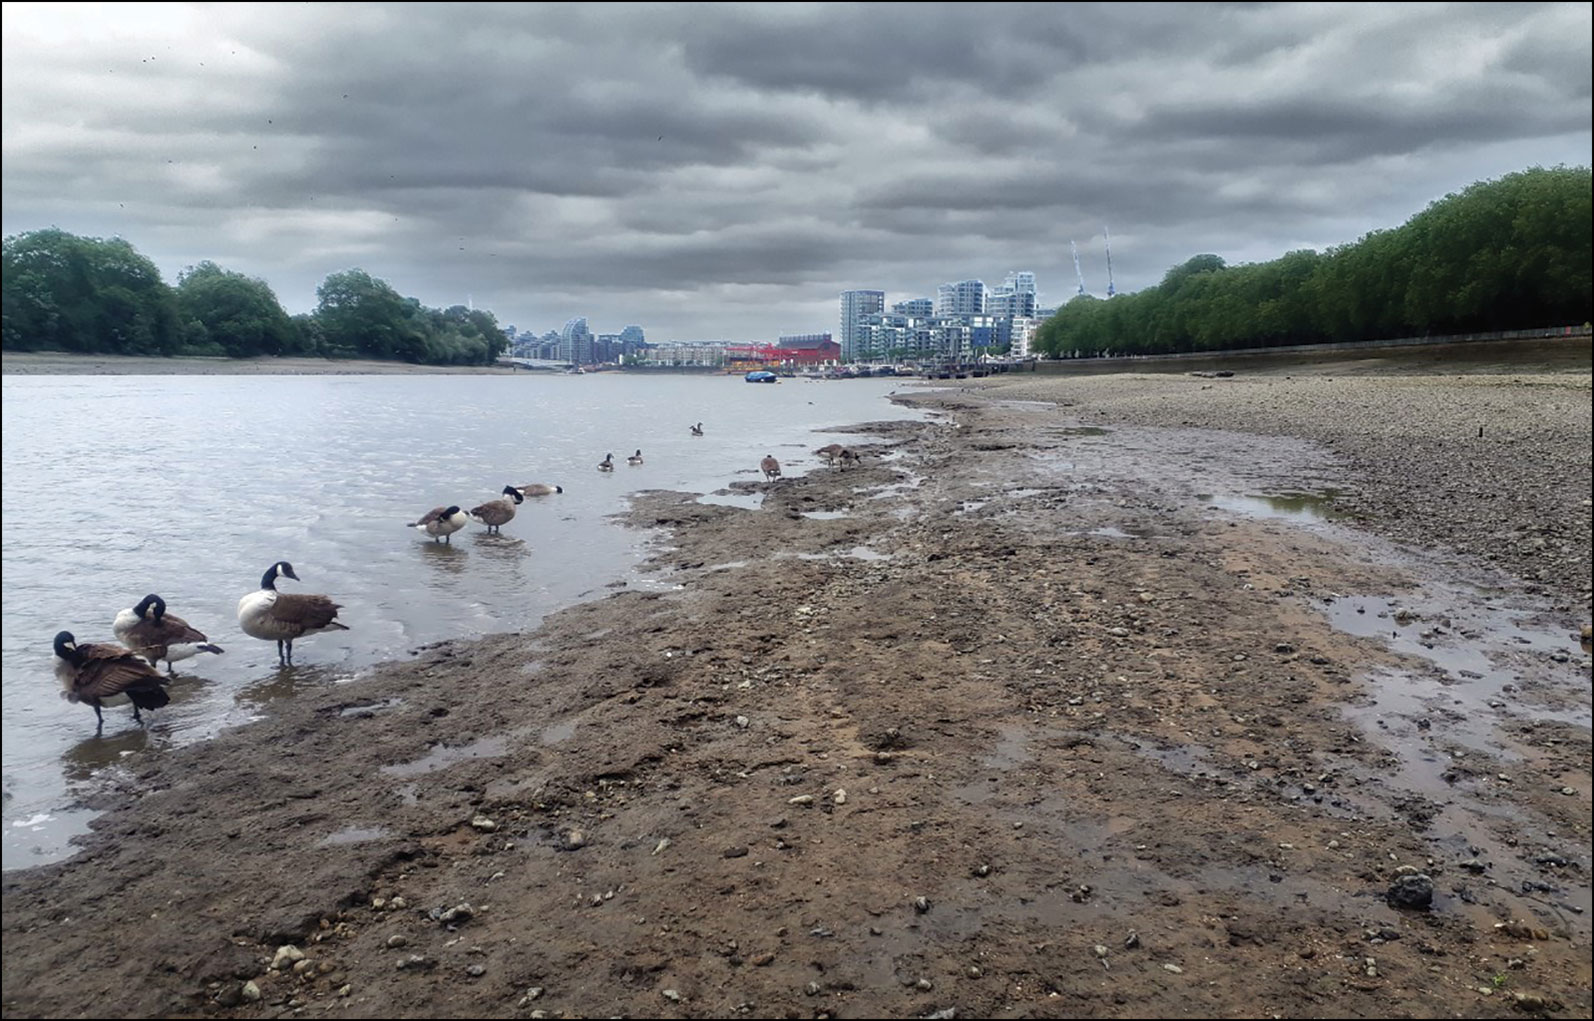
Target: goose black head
144, 607
66, 647
450, 510
280, 569
514, 494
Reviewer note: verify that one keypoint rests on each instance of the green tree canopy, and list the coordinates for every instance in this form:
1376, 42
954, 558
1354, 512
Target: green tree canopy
233, 314
1516, 253
62, 292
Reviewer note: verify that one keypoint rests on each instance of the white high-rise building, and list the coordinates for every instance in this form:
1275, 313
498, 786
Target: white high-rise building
855, 305
964, 298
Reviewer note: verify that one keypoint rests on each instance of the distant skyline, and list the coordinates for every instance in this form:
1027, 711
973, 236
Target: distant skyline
727, 170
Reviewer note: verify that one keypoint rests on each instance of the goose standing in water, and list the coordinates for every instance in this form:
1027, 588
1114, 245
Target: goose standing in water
697, 430
442, 522
97, 672
153, 633
499, 512
284, 616
607, 464
770, 467
635, 459
539, 489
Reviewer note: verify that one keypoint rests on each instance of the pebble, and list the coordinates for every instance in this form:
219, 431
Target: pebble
840, 797
575, 840
802, 799
481, 822
459, 914
812, 989
397, 940
763, 960
250, 991
533, 993
415, 962
921, 904
743, 722
475, 971
924, 985
739, 851
974, 971
286, 955
673, 995
1410, 891
1173, 968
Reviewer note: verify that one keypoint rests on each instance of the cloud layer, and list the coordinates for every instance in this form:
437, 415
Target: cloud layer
723, 171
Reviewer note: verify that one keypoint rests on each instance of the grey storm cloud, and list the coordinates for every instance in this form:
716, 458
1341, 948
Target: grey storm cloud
724, 170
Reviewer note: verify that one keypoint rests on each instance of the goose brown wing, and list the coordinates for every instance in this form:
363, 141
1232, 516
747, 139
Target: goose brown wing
308, 612
494, 512
432, 515
112, 670
176, 631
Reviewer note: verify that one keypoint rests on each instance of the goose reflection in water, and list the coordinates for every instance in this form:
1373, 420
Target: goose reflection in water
287, 681
444, 557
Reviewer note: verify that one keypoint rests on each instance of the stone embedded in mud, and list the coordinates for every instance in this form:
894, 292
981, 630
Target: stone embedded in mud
481, 822
921, 904
1411, 891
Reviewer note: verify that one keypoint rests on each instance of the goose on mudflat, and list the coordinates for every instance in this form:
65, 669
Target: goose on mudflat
96, 672
770, 467
442, 522
499, 512
153, 633
284, 616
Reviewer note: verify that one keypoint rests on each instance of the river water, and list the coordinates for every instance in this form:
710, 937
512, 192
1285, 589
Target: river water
191, 486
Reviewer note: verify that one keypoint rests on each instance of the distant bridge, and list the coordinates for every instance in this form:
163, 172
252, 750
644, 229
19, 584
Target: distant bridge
546, 364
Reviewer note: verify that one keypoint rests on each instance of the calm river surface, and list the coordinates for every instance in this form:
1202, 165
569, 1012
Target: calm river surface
191, 486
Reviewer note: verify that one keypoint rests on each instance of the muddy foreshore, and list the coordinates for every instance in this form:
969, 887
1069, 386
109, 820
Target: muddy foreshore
1006, 721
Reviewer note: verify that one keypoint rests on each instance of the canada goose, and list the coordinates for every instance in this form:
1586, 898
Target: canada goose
607, 464
830, 452
98, 672
284, 616
539, 489
697, 430
849, 456
442, 522
770, 466
153, 633
495, 513
635, 459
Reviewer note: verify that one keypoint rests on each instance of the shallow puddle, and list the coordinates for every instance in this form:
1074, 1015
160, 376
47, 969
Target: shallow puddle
1301, 506
443, 756
353, 835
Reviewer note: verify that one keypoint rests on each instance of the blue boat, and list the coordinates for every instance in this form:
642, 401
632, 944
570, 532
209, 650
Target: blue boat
761, 376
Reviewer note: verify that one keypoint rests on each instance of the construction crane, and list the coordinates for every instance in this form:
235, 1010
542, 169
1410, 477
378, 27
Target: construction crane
1075, 249
1110, 290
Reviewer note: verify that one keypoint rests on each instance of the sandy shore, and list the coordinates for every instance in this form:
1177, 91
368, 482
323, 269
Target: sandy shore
1005, 721
55, 363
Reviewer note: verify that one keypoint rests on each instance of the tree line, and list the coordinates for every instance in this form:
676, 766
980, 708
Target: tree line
63, 292
1514, 253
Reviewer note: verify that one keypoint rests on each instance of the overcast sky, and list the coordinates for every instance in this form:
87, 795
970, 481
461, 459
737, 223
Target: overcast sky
725, 170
